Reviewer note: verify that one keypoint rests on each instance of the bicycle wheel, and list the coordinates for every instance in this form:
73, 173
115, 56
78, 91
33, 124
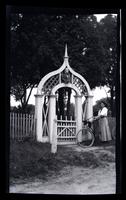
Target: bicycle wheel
85, 137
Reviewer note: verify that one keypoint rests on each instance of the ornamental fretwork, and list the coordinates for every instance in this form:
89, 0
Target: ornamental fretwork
50, 83
65, 77
80, 85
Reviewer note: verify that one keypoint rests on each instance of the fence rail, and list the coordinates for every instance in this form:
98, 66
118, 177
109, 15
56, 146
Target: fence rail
22, 126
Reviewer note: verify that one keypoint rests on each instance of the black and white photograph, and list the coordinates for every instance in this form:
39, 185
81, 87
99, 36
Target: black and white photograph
64, 101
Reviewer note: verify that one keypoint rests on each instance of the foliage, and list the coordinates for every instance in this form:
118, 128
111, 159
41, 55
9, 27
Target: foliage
29, 109
37, 47
108, 29
96, 107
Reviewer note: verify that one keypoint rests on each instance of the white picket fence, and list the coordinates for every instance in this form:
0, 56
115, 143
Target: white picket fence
22, 126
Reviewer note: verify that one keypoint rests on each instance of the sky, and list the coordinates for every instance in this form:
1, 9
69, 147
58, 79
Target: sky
98, 93
100, 16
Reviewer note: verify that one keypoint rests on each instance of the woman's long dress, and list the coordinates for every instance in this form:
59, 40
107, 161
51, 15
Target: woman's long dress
104, 126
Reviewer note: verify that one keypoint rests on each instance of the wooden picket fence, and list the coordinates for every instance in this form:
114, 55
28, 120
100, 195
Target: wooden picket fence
22, 126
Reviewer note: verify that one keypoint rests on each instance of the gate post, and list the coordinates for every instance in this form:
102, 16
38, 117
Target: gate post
89, 113
54, 138
78, 112
39, 100
52, 115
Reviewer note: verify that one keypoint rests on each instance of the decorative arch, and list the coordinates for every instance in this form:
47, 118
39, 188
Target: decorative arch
65, 76
54, 78
62, 85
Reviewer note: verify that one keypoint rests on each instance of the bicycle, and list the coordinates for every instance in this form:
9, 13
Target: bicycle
85, 136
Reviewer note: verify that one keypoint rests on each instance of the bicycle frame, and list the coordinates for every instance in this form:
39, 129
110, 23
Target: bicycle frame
86, 126
87, 123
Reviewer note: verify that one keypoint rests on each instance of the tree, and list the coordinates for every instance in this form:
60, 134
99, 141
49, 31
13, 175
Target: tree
97, 106
108, 30
24, 73
37, 47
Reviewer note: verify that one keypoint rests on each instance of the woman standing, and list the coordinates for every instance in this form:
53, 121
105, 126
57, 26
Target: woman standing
103, 123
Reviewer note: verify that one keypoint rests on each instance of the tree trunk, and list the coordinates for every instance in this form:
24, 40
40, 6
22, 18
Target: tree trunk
62, 92
60, 100
24, 99
68, 105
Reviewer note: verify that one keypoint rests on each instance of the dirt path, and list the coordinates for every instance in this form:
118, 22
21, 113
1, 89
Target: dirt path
74, 180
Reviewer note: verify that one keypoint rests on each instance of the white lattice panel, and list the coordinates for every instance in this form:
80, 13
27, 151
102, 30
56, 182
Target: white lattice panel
50, 83
80, 85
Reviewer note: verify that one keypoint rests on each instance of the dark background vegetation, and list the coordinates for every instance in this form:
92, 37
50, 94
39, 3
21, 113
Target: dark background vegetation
37, 42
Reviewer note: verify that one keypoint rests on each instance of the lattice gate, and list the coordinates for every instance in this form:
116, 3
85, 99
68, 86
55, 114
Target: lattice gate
66, 131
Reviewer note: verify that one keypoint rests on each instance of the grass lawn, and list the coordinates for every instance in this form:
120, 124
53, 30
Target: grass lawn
33, 159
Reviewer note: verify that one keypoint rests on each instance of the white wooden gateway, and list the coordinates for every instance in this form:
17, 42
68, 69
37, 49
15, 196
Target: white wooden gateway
48, 125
